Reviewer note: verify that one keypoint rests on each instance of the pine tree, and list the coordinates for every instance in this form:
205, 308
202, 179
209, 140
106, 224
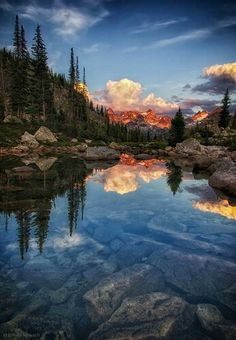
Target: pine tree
84, 78
77, 73
233, 126
17, 38
72, 79
41, 83
225, 115
16, 70
177, 128
24, 71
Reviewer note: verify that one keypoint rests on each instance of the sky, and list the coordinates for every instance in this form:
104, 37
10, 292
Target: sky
138, 54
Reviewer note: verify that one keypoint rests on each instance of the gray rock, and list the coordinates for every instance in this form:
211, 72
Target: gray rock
94, 153
29, 140
23, 169
45, 164
143, 156
107, 295
43, 134
149, 316
82, 147
224, 180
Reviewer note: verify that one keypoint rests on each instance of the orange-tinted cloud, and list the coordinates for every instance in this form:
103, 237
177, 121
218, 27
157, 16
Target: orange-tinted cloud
221, 207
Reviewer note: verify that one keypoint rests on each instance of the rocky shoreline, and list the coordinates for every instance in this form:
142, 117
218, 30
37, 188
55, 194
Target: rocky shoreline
217, 161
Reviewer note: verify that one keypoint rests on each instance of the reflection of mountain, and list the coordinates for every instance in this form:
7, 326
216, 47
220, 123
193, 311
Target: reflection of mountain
221, 207
124, 177
30, 196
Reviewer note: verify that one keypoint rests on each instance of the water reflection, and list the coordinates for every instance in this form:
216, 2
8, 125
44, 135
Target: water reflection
29, 195
174, 176
114, 252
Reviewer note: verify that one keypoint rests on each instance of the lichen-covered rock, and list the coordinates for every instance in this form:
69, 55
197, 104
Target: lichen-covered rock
94, 153
29, 140
190, 146
81, 147
43, 134
45, 164
149, 316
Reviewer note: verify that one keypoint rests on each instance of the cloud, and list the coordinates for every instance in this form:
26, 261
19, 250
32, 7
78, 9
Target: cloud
149, 27
68, 20
126, 94
94, 48
192, 35
219, 78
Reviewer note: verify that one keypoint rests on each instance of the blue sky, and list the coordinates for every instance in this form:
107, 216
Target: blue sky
163, 45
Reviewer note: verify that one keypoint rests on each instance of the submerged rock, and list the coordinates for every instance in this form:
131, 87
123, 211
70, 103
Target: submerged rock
43, 134
209, 316
107, 295
149, 316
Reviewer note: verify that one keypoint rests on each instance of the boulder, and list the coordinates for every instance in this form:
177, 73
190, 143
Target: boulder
106, 296
149, 316
82, 147
233, 156
29, 140
12, 119
43, 134
189, 146
74, 140
209, 316
143, 156
94, 153
224, 180
88, 141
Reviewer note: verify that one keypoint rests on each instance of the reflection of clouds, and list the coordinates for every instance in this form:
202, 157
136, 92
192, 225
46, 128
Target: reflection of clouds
123, 178
222, 208
67, 241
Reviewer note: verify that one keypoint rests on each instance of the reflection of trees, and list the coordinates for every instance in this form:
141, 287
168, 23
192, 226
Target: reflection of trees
23, 218
174, 176
30, 197
76, 197
40, 222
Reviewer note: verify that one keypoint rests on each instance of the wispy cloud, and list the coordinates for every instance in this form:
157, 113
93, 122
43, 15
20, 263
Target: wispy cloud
68, 20
148, 27
94, 48
189, 36
130, 49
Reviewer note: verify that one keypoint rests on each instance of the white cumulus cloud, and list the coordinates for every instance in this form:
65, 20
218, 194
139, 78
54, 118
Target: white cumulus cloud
126, 94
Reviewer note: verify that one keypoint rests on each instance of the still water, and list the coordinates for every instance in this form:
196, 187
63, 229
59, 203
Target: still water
132, 250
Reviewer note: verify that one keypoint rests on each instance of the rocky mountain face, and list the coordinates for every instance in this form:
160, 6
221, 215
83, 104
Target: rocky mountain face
134, 118
149, 119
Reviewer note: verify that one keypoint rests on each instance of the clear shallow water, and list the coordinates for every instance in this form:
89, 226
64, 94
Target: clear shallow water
77, 240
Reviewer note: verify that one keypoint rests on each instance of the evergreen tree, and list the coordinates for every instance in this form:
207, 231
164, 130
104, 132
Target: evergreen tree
177, 128
77, 73
225, 115
41, 101
41, 223
16, 71
84, 77
24, 69
72, 79
233, 126
17, 38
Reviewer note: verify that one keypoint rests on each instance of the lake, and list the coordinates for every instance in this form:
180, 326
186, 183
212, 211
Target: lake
128, 250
